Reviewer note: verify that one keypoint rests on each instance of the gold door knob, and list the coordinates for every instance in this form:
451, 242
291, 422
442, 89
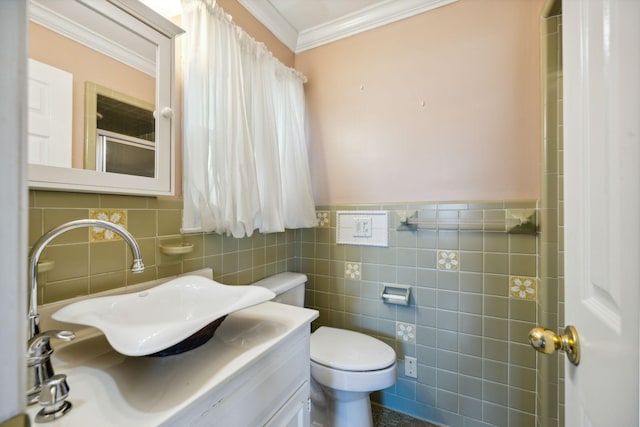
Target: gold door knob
546, 341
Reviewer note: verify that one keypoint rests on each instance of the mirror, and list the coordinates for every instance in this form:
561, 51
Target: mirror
101, 97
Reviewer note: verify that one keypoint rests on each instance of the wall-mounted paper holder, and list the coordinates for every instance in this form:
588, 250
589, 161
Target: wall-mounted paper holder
396, 294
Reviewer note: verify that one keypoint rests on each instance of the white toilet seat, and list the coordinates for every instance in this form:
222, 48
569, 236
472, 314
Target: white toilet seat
349, 350
351, 361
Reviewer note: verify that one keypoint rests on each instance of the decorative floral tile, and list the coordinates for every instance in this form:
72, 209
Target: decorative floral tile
523, 287
117, 216
352, 270
406, 332
448, 260
324, 220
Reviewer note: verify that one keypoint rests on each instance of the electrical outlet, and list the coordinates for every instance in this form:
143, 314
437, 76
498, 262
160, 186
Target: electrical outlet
411, 367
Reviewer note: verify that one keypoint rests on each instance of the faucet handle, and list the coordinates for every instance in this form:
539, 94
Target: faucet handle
39, 347
55, 391
39, 361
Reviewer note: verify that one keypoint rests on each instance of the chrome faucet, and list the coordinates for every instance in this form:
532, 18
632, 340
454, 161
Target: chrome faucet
38, 348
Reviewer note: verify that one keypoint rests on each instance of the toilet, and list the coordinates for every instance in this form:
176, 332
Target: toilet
346, 366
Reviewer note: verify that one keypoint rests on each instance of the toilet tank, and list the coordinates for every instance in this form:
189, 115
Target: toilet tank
288, 287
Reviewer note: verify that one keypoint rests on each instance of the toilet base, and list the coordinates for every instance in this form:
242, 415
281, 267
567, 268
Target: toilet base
340, 408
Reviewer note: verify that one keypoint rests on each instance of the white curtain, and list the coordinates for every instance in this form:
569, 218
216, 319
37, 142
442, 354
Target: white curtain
245, 157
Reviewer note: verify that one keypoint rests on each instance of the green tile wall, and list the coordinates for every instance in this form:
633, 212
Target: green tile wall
475, 366
550, 377
83, 267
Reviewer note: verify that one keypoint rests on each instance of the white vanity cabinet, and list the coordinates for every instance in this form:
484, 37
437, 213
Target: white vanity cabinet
272, 391
254, 372
295, 412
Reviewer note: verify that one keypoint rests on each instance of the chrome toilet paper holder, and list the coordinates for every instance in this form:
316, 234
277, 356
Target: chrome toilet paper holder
396, 294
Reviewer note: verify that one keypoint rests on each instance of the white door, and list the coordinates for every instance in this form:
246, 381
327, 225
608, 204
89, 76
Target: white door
50, 108
601, 45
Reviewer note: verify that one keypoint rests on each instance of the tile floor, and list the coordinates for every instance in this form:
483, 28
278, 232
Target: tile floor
383, 417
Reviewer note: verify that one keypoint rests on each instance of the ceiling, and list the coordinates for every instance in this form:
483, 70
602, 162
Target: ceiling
305, 24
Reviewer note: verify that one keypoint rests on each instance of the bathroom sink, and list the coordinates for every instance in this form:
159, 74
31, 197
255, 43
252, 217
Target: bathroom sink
170, 318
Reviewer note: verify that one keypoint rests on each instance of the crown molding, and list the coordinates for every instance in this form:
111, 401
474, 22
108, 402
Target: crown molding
264, 12
354, 23
364, 20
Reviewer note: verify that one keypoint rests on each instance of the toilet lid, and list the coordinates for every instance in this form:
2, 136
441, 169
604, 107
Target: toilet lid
349, 350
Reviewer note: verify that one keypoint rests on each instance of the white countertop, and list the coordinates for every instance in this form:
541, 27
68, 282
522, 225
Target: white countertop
108, 388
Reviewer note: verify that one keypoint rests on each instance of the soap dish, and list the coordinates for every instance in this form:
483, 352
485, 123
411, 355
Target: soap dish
176, 248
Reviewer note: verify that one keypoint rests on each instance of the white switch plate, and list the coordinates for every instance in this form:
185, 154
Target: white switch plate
363, 226
368, 228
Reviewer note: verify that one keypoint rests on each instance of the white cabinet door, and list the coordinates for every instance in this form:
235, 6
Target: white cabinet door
602, 204
296, 412
50, 108
271, 390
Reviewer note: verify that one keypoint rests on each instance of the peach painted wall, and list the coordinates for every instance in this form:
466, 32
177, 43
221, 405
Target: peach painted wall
86, 65
475, 66
177, 108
